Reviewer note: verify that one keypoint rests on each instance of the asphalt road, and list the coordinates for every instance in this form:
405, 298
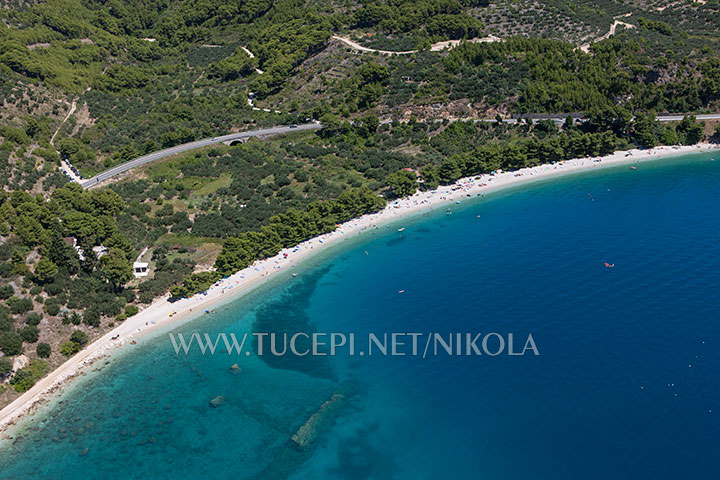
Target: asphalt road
151, 157
560, 119
677, 118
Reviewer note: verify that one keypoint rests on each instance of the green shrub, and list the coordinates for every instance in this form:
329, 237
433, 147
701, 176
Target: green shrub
26, 377
146, 297
33, 319
69, 348
91, 317
5, 366
29, 334
52, 307
43, 350
19, 305
79, 337
6, 292
11, 343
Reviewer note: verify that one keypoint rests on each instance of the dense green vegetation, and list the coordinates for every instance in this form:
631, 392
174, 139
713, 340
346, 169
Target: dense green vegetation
556, 78
27, 376
73, 39
432, 19
154, 74
285, 230
448, 152
140, 93
530, 75
68, 279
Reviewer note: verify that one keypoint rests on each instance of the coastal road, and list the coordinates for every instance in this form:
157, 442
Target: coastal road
677, 118
561, 119
151, 157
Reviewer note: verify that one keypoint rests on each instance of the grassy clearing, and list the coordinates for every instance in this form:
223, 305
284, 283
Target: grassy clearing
212, 186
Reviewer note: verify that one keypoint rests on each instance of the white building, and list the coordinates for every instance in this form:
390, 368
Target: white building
99, 250
140, 269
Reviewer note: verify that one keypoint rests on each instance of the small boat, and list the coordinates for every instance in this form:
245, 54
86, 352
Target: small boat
609, 265
401, 229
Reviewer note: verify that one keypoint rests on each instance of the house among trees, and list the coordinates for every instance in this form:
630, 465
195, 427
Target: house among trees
98, 250
140, 269
72, 241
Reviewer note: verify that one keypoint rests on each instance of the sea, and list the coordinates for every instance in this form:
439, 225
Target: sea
581, 314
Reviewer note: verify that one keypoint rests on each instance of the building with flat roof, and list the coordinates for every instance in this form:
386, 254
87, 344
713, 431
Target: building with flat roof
141, 269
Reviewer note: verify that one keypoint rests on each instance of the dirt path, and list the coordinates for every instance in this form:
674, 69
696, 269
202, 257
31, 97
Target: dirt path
73, 106
439, 46
586, 47
250, 54
360, 48
435, 47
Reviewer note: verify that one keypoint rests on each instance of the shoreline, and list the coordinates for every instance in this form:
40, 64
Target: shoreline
163, 314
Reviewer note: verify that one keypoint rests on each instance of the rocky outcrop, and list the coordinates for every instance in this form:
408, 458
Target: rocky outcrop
20, 361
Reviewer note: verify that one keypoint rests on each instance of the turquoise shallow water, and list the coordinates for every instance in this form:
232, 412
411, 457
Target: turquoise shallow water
627, 384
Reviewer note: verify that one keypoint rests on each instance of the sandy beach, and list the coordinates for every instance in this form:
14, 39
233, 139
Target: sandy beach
162, 313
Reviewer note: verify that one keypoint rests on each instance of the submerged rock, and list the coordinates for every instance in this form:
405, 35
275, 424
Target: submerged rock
309, 431
217, 401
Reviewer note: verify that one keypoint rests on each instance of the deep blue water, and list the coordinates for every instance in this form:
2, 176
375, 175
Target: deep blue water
627, 384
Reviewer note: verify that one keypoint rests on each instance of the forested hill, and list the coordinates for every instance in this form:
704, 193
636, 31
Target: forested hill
143, 75
134, 48
110, 81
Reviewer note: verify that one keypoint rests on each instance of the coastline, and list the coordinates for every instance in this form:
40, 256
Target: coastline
162, 313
